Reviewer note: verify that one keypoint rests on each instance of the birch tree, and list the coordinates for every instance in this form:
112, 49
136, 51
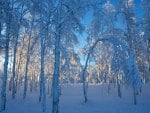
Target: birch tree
31, 44
128, 65
5, 5
132, 37
16, 38
42, 79
66, 17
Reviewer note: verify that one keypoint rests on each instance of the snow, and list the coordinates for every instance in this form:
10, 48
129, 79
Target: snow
71, 101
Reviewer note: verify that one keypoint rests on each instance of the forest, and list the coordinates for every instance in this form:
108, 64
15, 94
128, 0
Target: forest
74, 55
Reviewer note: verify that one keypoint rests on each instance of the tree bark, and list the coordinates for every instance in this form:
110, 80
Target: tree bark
19, 66
14, 69
134, 96
4, 82
26, 68
28, 59
118, 87
56, 74
42, 79
26, 77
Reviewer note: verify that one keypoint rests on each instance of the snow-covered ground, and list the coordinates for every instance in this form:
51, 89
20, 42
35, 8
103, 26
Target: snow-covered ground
71, 101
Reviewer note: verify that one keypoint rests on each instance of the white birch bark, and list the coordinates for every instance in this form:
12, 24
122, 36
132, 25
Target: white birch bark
56, 74
26, 72
42, 79
4, 82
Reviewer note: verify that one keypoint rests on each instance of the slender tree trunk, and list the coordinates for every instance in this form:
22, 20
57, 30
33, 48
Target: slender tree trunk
84, 72
56, 73
26, 70
134, 96
48, 86
26, 77
14, 69
85, 84
31, 84
51, 82
27, 61
108, 86
19, 66
118, 87
10, 65
42, 79
4, 82
3, 90
42, 95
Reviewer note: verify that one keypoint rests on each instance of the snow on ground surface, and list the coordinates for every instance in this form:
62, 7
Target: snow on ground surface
71, 101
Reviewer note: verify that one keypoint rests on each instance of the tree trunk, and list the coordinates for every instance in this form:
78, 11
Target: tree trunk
118, 87
42, 79
108, 86
19, 66
85, 84
4, 82
14, 69
27, 61
26, 69
26, 77
48, 86
31, 83
56, 73
134, 96
55, 88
